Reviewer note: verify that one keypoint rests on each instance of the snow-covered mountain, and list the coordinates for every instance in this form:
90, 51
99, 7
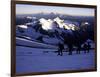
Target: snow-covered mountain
51, 31
48, 24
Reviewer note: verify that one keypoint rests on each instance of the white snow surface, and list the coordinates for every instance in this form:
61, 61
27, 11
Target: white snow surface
22, 26
47, 24
29, 43
38, 60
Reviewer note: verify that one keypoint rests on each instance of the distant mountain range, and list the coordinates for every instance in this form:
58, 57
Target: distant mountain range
52, 29
54, 15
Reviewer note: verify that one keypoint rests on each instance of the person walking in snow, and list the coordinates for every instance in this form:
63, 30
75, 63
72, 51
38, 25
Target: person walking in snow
60, 49
78, 49
70, 49
88, 47
85, 47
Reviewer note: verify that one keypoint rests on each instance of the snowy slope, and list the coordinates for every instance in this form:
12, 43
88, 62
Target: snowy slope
28, 60
34, 44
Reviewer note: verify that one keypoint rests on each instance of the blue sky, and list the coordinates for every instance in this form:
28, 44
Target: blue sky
32, 9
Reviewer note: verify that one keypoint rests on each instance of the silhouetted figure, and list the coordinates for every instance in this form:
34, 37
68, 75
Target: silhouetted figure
70, 48
60, 48
88, 47
85, 48
78, 49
